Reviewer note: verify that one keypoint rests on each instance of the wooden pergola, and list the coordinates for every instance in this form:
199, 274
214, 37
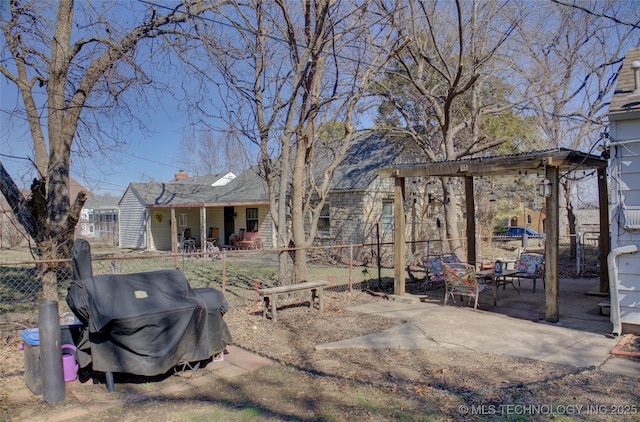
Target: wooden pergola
552, 163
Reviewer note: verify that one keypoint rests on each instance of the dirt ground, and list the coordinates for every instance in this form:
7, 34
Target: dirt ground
354, 384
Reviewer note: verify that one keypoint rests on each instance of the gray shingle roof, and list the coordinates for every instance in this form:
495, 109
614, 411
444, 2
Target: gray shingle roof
99, 201
247, 188
162, 193
356, 172
208, 179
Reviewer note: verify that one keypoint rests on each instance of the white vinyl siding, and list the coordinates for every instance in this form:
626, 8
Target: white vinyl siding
132, 222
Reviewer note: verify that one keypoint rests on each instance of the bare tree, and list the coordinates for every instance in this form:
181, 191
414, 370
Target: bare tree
208, 154
290, 71
445, 81
72, 65
570, 71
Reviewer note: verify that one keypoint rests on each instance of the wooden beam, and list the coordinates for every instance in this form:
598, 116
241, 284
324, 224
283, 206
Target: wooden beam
605, 240
551, 255
471, 220
502, 165
399, 237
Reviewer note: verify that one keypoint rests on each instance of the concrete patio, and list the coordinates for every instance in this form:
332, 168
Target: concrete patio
516, 326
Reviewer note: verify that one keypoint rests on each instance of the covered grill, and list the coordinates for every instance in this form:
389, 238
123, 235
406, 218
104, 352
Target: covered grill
144, 323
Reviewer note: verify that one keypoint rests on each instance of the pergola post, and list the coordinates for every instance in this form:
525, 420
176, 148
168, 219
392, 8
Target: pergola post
471, 219
399, 237
551, 255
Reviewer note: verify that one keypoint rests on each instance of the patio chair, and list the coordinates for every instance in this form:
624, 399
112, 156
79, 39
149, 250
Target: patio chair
188, 242
433, 267
250, 240
530, 265
213, 234
460, 279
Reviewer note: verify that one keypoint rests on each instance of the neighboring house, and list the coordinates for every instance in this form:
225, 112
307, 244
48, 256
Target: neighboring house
588, 221
359, 198
222, 203
533, 219
11, 232
624, 262
99, 218
359, 205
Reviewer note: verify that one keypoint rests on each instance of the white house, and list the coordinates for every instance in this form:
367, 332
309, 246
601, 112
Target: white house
99, 218
211, 207
624, 261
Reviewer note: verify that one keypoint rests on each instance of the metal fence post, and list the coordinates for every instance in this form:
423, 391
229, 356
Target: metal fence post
224, 271
579, 247
351, 268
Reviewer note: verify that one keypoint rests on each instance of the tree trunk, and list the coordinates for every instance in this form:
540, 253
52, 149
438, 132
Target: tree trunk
571, 218
283, 264
300, 272
450, 204
49, 285
300, 269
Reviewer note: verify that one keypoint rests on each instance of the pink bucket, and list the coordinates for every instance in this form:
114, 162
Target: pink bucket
69, 365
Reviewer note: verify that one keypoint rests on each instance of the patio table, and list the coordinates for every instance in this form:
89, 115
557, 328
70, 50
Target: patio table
495, 278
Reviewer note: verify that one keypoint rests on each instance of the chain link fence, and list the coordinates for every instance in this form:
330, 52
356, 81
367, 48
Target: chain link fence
240, 273
237, 273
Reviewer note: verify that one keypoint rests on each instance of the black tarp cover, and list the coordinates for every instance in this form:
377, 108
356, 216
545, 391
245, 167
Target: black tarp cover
144, 323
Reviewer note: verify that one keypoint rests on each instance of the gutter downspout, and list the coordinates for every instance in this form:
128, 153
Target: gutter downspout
613, 285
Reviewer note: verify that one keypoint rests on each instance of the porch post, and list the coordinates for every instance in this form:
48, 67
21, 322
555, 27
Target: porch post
203, 229
399, 237
605, 240
471, 220
174, 237
551, 256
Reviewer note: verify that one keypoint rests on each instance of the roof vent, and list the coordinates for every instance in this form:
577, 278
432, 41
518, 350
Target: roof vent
635, 65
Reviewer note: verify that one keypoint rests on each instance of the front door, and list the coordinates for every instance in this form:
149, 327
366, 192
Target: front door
229, 226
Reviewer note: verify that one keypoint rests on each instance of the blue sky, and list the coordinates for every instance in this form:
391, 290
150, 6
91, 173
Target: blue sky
149, 156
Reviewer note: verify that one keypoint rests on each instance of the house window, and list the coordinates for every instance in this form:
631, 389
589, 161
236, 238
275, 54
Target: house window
386, 219
252, 219
182, 220
324, 222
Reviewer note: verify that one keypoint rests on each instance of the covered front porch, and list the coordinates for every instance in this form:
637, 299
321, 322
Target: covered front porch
206, 224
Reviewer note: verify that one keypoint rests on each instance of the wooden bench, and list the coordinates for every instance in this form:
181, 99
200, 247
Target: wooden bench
270, 295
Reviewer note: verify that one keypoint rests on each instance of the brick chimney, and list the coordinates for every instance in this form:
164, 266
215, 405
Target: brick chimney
180, 175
